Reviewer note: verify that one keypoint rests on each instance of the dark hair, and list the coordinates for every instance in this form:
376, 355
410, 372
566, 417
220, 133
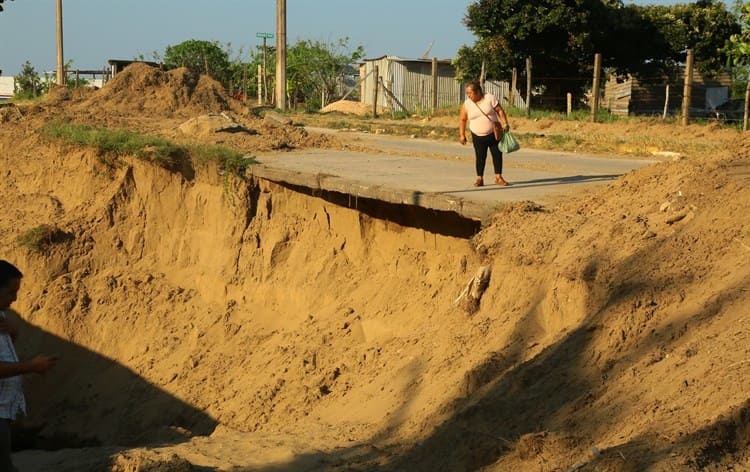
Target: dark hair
476, 86
8, 272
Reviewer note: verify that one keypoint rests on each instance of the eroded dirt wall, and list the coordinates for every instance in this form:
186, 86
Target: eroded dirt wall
612, 332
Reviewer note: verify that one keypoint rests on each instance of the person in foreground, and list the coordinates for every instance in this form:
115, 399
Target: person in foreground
12, 401
482, 111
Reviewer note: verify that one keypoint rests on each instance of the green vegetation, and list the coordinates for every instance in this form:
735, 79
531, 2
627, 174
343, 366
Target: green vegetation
116, 143
562, 37
316, 68
113, 144
40, 237
28, 84
227, 159
205, 57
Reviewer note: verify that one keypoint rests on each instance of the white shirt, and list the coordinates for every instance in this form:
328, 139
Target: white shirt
478, 123
12, 401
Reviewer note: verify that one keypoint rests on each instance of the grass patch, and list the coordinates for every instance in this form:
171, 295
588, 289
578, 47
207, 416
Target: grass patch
228, 159
117, 143
113, 144
41, 237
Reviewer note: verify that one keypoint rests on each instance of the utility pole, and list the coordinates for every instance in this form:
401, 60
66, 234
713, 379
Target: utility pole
60, 60
281, 54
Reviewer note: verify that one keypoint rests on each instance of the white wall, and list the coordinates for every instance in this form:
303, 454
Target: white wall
6, 87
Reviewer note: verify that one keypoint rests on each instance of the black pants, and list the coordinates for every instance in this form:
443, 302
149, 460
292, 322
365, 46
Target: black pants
5, 463
481, 145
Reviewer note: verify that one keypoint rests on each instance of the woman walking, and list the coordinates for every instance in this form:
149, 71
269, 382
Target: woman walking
482, 111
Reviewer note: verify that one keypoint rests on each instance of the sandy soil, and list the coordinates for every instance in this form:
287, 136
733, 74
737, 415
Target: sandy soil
220, 323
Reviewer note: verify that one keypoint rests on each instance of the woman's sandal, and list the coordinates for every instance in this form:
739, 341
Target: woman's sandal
479, 182
501, 181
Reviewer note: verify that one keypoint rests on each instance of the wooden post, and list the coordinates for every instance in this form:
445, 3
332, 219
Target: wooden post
666, 103
595, 88
265, 72
60, 60
434, 85
376, 79
569, 97
513, 85
482, 75
281, 54
244, 82
392, 97
687, 93
78, 77
747, 106
528, 87
260, 84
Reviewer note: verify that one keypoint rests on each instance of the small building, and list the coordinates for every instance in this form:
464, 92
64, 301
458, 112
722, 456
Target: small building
407, 84
629, 94
7, 87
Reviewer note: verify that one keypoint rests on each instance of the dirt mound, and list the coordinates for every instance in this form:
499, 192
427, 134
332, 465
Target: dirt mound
140, 88
206, 125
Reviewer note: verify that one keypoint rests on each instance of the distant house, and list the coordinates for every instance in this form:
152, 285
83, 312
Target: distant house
408, 84
7, 86
627, 94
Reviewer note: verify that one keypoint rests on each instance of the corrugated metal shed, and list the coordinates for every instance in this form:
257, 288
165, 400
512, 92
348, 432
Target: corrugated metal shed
410, 81
501, 90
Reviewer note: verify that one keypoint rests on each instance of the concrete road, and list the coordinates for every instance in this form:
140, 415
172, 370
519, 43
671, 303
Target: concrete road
438, 174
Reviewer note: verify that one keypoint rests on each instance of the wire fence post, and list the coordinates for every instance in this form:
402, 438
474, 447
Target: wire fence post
687, 90
434, 85
376, 78
595, 88
528, 87
747, 106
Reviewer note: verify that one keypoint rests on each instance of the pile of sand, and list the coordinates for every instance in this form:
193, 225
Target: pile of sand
347, 106
206, 125
140, 89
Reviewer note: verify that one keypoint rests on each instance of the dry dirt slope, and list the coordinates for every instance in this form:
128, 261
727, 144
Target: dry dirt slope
612, 335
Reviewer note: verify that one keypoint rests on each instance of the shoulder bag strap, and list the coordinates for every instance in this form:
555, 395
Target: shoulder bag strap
485, 114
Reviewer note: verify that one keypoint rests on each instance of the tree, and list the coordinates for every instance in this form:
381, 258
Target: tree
704, 26
555, 33
737, 48
27, 83
738, 52
562, 37
206, 57
316, 68
1, 6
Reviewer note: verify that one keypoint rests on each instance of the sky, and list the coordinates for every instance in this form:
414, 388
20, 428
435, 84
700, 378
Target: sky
98, 30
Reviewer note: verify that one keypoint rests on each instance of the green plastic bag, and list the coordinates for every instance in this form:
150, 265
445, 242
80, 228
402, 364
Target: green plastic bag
508, 143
